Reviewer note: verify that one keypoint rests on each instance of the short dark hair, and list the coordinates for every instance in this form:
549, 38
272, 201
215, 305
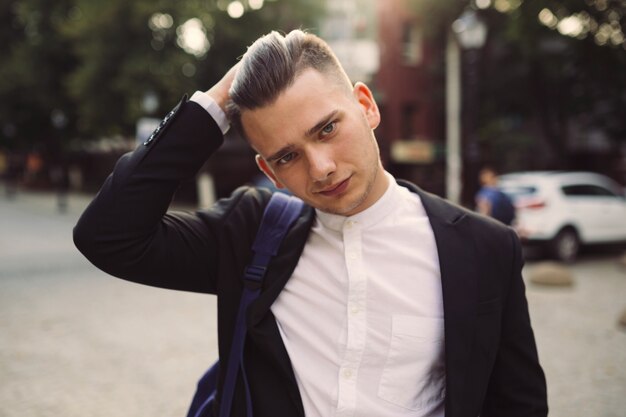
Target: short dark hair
272, 63
489, 168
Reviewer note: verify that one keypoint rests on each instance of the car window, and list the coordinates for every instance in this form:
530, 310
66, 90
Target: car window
586, 190
518, 191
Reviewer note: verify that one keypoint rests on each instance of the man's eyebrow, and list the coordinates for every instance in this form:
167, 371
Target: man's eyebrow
322, 123
318, 126
277, 155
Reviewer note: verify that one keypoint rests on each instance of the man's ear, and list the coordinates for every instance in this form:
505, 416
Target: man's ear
364, 96
265, 168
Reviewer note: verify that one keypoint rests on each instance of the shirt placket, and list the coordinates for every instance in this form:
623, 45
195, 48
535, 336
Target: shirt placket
356, 320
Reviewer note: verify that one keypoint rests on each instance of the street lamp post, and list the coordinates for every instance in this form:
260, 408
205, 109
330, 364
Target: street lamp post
467, 32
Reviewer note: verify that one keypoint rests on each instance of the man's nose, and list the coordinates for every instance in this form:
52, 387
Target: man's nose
321, 163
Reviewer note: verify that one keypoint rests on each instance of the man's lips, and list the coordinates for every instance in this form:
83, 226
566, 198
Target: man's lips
336, 189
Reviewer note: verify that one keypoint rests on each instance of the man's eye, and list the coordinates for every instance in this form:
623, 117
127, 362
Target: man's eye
329, 128
286, 158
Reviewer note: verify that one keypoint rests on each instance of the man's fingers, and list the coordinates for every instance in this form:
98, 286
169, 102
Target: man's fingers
219, 92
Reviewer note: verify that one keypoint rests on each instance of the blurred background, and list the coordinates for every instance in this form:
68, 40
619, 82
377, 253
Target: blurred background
519, 85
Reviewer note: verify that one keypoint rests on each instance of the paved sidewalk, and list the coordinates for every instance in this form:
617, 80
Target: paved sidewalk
46, 201
75, 342
581, 345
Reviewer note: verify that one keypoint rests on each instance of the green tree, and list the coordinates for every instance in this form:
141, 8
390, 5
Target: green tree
557, 86
81, 69
130, 49
551, 71
34, 107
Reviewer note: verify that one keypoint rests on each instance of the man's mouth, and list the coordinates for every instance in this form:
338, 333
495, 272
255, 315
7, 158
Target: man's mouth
336, 189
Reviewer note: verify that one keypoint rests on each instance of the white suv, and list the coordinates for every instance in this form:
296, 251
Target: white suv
562, 210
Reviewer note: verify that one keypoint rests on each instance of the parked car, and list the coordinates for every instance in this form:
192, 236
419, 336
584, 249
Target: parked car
561, 211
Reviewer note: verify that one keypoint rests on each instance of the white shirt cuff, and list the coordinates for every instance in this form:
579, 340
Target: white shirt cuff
216, 112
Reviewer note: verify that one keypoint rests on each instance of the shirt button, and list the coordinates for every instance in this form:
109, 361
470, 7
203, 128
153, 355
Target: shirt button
354, 309
349, 224
353, 255
347, 373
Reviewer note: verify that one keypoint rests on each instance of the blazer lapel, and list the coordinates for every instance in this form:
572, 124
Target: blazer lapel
262, 326
459, 269
282, 266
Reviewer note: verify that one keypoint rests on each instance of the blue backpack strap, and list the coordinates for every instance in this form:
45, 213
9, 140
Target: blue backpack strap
280, 213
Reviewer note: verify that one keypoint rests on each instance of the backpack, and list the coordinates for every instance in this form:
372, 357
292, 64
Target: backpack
280, 213
502, 208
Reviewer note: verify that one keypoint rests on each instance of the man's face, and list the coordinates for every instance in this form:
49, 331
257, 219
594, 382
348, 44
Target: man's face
317, 141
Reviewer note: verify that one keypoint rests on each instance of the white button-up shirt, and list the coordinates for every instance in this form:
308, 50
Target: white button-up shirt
362, 315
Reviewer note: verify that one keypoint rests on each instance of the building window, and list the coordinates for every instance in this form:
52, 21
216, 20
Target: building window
586, 190
412, 47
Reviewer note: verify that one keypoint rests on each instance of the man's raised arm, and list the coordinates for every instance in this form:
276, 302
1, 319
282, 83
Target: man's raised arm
127, 232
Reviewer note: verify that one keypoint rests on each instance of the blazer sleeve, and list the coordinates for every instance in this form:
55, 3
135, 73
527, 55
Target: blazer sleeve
517, 386
127, 232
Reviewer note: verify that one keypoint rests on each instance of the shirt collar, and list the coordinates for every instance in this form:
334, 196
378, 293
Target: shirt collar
371, 215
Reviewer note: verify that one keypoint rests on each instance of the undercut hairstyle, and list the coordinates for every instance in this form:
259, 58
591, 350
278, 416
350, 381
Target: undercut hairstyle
271, 65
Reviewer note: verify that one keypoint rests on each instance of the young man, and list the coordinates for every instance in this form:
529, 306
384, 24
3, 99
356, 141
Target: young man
383, 300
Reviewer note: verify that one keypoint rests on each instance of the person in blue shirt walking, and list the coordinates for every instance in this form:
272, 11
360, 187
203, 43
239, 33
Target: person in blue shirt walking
491, 201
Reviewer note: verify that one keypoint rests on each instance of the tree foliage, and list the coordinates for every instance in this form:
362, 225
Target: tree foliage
81, 69
35, 62
552, 75
556, 89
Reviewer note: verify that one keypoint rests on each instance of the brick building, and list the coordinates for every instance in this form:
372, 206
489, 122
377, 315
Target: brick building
406, 86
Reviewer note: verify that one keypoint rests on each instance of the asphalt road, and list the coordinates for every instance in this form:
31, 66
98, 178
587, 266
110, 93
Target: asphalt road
76, 342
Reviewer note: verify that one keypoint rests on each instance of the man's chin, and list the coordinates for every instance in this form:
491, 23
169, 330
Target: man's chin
348, 208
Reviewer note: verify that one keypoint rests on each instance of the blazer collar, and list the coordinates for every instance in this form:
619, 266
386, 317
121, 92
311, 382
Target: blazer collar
459, 273
444, 218
262, 326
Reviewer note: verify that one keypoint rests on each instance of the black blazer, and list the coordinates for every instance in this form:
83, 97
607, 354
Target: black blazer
491, 360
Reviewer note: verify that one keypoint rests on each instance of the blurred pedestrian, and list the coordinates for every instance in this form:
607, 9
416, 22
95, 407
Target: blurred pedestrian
491, 201
60, 179
383, 300
34, 166
14, 173
4, 163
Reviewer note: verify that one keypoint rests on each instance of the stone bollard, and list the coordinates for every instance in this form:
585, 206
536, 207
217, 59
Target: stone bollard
551, 273
622, 320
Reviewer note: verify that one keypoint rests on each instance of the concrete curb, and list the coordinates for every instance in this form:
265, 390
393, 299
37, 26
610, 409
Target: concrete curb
551, 274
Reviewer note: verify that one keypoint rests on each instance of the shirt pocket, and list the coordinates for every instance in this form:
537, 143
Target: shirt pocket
414, 374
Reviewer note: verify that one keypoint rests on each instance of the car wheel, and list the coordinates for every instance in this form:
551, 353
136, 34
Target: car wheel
566, 245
